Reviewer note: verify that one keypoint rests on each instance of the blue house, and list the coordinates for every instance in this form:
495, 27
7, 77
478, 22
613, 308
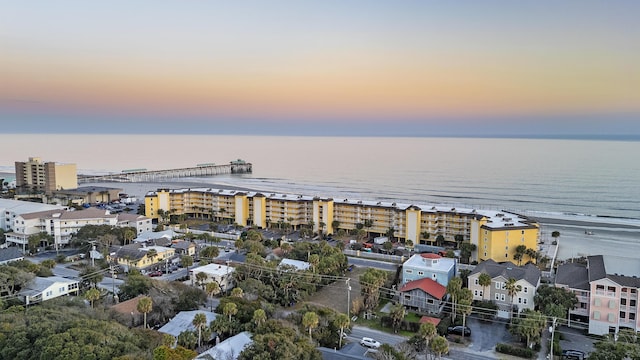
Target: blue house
431, 266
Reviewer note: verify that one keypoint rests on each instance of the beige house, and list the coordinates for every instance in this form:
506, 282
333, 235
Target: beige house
140, 256
527, 277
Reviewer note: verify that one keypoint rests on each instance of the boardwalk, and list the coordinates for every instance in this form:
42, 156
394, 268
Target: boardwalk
235, 167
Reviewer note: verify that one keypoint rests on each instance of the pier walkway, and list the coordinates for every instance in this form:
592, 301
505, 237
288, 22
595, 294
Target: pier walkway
234, 167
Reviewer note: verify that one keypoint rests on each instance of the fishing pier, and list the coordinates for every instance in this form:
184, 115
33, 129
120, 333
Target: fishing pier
143, 175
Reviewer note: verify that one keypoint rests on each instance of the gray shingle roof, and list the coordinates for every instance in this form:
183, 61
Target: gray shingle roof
10, 254
595, 264
509, 270
575, 276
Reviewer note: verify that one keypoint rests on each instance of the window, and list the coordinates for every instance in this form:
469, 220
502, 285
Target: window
420, 272
596, 315
611, 289
475, 281
434, 276
498, 286
612, 304
623, 301
632, 302
407, 297
480, 292
524, 301
633, 291
623, 315
519, 300
597, 302
485, 253
525, 289
408, 271
475, 292
506, 248
502, 297
522, 232
506, 255
632, 316
497, 296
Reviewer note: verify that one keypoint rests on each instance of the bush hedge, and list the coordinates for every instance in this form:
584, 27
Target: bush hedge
512, 350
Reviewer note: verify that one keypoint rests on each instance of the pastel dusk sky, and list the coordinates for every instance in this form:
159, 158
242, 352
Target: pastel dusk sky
330, 67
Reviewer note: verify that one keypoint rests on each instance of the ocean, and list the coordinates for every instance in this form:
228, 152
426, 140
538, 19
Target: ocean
570, 185
552, 178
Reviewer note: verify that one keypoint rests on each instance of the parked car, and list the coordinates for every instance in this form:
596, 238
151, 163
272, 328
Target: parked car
155, 273
458, 330
574, 354
370, 343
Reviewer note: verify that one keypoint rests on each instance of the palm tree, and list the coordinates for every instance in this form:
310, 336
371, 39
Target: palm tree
145, 305
128, 234
230, 309
314, 260
335, 224
92, 295
199, 321
484, 280
425, 235
212, 289
426, 332
259, 317
310, 321
453, 288
512, 289
341, 321
397, 315
465, 298
519, 253
237, 293
440, 346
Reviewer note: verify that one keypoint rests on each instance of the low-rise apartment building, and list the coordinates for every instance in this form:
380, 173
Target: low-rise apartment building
496, 234
611, 299
46, 288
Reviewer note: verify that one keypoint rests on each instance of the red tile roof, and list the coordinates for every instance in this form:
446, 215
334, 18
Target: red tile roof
426, 319
427, 285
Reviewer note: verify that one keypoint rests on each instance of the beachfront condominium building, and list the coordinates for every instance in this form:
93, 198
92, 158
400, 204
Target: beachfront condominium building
35, 175
610, 301
496, 234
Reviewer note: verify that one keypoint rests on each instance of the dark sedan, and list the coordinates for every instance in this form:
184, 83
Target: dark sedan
458, 330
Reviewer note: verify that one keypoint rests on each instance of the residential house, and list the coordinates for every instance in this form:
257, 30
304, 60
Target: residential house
222, 274
574, 277
183, 321
10, 254
137, 255
294, 264
527, 277
139, 222
184, 248
46, 288
432, 266
229, 349
612, 298
423, 295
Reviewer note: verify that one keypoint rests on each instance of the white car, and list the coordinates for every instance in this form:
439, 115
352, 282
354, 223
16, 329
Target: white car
370, 343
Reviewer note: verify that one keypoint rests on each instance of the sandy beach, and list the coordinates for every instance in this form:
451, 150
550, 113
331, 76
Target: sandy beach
615, 239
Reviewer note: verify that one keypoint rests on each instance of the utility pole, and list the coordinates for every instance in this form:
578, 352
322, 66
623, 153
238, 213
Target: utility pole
113, 283
552, 329
348, 298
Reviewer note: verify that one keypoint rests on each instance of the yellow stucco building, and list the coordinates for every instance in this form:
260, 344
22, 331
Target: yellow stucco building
495, 234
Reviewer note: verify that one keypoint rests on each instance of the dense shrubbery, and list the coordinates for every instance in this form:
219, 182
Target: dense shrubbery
512, 350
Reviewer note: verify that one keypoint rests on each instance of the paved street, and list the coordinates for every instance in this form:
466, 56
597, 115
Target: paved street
358, 332
383, 265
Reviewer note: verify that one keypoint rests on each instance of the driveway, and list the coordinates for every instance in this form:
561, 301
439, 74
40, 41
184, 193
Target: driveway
485, 334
